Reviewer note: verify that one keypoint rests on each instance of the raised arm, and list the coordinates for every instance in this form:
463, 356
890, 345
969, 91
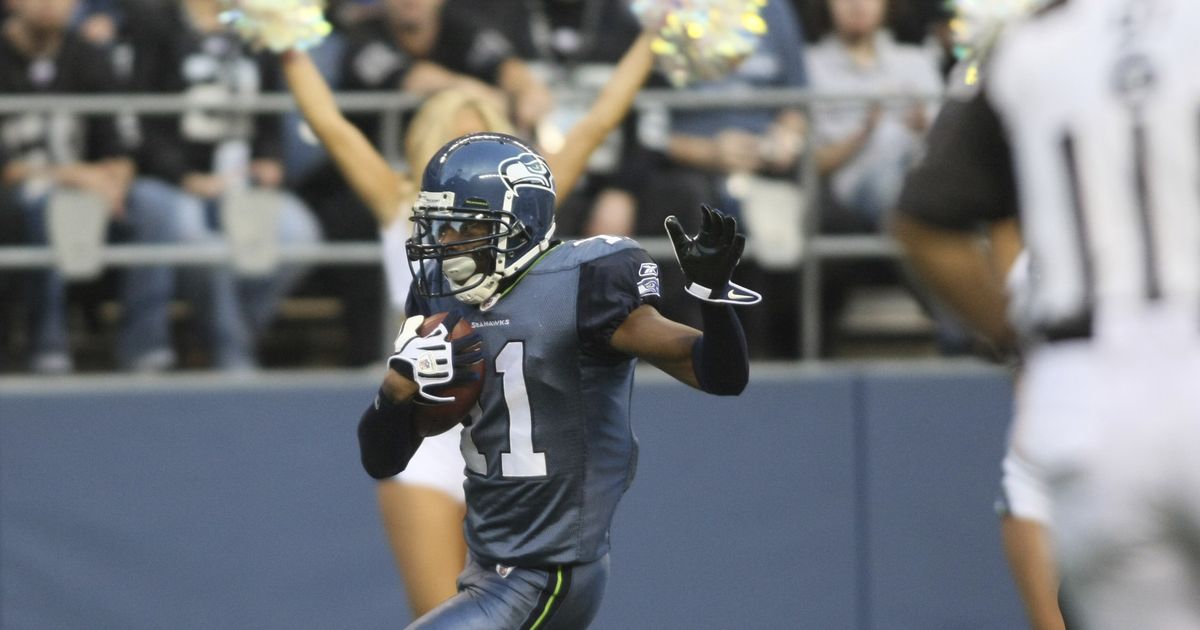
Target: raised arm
717, 360
606, 113
368, 173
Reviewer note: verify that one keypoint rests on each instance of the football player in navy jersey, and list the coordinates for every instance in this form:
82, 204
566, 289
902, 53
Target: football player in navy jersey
426, 502
549, 449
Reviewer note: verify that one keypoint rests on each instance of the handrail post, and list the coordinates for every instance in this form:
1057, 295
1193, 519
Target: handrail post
810, 263
389, 132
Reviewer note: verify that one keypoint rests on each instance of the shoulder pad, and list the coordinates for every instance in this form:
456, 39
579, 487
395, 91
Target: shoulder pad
574, 253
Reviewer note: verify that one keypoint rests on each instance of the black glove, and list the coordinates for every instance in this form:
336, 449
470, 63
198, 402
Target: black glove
435, 361
708, 258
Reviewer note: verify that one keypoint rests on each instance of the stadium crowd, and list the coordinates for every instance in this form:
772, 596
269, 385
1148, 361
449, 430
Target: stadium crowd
178, 178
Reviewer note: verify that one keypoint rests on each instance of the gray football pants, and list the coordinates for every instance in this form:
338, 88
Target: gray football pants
494, 597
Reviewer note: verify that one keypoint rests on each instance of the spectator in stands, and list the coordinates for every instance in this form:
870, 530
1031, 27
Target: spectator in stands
863, 148
348, 14
729, 157
97, 21
706, 146
41, 152
202, 155
419, 47
575, 44
566, 32
422, 47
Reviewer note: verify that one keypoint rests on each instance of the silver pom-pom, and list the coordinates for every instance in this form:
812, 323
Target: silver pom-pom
278, 25
701, 40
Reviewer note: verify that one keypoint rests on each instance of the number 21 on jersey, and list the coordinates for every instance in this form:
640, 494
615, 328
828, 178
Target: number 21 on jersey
520, 460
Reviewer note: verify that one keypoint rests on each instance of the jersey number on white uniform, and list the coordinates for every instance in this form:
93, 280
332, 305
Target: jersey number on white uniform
520, 460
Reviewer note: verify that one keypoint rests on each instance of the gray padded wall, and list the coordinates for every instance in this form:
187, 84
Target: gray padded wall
739, 516
933, 444
841, 498
202, 509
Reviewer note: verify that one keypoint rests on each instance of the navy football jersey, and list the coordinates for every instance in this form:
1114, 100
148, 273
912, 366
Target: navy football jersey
549, 450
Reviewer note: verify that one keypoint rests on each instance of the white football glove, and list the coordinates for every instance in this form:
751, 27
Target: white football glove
430, 361
424, 360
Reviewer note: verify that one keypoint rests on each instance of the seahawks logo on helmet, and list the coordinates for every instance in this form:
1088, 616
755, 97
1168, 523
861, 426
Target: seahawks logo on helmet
527, 170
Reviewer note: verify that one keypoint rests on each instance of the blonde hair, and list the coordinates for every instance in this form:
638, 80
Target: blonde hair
431, 127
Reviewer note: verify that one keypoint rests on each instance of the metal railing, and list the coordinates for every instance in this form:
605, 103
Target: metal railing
391, 106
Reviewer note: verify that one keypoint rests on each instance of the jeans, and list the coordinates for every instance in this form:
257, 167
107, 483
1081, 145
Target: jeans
874, 193
45, 288
160, 213
232, 311
261, 296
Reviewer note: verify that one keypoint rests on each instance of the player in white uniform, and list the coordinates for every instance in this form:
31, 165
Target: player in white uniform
423, 507
1024, 505
1088, 125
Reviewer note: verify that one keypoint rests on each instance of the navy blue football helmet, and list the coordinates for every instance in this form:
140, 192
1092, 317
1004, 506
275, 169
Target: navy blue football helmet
485, 212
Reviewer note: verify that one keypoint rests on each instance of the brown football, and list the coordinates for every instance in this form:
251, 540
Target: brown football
433, 419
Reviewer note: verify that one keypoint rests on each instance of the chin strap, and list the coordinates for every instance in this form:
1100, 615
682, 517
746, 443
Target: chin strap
460, 272
480, 293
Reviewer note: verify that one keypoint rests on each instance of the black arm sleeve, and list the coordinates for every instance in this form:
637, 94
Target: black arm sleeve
967, 176
610, 288
720, 358
387, 439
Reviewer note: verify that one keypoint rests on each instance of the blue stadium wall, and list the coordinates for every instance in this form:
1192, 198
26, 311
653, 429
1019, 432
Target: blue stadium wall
824, 498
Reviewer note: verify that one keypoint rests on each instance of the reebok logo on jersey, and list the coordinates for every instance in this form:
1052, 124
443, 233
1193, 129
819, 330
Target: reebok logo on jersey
527, 170
649, 283
503, 571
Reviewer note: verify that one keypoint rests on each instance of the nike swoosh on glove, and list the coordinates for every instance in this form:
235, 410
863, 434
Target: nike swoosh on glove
709, 258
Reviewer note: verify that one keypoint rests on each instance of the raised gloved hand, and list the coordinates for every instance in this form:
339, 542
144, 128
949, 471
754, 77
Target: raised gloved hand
434, 360
709, 257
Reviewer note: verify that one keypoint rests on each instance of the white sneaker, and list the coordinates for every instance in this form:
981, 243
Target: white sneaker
158, 360
50, 363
